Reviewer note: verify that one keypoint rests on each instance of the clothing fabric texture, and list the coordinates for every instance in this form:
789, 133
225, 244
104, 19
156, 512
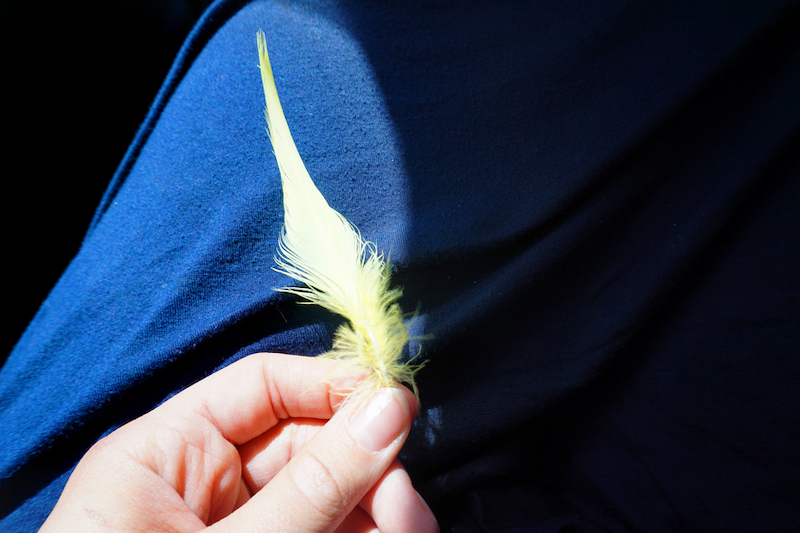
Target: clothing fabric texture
593, 207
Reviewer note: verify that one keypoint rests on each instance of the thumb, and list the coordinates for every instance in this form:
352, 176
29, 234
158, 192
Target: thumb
322, 484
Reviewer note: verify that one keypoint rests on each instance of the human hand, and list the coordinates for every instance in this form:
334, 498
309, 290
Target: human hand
266, 444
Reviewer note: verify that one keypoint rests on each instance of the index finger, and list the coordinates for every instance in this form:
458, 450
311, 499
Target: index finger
251, 395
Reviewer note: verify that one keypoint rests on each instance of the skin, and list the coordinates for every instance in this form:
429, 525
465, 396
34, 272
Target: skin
266, 444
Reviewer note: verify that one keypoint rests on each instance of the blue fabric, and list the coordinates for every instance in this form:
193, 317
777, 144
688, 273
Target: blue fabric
594, 205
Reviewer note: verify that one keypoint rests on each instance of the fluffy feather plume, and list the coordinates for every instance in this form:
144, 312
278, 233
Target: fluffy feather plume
340, 271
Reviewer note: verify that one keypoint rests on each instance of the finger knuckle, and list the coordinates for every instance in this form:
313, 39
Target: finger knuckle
326, 490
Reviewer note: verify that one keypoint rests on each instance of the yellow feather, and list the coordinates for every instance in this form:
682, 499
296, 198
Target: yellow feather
341, 272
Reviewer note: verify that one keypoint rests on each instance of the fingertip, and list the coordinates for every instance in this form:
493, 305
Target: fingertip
396, 507
381, 420
413, 402
425, 520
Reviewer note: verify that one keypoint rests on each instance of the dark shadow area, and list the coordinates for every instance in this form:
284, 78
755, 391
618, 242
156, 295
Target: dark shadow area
79, 79
646, 146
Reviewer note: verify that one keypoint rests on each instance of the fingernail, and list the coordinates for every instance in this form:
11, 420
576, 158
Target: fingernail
425, 520
381, 421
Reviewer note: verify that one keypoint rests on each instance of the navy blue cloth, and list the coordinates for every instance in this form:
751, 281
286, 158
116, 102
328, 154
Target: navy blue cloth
594, 205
